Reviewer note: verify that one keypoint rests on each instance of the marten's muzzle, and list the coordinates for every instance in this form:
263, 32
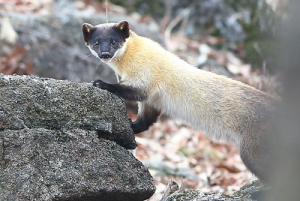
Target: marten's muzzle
105, 55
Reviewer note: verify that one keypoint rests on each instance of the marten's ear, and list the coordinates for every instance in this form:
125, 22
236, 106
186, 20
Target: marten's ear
123, 27
86, 31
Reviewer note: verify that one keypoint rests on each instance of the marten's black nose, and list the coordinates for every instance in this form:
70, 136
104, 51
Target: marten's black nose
105, 55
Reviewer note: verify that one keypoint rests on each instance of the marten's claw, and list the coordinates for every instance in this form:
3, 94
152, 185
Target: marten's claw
100, 84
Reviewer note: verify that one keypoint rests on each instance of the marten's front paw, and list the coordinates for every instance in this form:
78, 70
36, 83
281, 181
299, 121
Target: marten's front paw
100, 84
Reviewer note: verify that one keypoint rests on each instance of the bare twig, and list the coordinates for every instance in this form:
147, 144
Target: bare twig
184, 14
183, 24
167, 16
172, 187
106, 9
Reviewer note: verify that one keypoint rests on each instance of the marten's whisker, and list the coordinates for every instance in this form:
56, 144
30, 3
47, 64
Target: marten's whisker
84, 58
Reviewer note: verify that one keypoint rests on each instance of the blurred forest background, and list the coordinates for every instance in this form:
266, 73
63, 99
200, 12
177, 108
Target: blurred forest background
235, 38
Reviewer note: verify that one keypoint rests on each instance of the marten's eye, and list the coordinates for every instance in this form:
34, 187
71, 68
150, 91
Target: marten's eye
96, 44
113, 42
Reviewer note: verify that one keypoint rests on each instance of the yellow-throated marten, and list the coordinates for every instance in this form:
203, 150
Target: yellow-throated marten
161, 82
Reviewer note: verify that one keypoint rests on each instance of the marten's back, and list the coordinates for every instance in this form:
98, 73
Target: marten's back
222, 107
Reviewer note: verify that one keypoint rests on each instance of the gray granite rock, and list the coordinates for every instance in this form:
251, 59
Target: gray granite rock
244, 194
41, 164
30, 102
50, 147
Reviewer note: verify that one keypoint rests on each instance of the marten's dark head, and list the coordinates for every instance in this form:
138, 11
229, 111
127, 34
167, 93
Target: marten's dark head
105, 40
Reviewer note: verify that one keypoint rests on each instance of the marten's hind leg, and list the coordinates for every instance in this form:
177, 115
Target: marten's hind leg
255, 156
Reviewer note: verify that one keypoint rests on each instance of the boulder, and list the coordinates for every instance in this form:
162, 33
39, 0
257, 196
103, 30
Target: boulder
50, 147
244, 194
31, 102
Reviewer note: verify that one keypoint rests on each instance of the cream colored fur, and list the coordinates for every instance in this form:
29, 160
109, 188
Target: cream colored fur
221, 107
